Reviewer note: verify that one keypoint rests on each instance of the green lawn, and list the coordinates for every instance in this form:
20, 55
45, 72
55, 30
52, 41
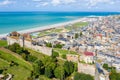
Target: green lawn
80, 24
11, 57
44, 33
19, 72
56, 30
3, 43
3, 64
77, 25
63, 52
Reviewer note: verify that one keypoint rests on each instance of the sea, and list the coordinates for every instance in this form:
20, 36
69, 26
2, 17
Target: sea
17, 21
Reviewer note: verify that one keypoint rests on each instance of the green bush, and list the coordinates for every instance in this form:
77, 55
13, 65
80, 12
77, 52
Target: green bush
48, 72
59, 73
76, 35
58, 46
114, 76
55, 54
31, 58
69, 68
49, 44
64, 56
82, 76
15, 48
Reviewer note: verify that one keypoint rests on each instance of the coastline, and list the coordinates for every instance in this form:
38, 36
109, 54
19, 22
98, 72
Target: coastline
37, 29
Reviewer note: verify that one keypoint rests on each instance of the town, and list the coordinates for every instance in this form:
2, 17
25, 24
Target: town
92, 44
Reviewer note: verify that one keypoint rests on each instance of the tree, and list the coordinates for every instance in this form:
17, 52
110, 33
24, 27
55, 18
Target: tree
48, 72
58, 46
114, 76
59, 73
35, 70
81, 34
105, 66
55, 54
49, 44
64, 56
82, 76
26, 52
17, 49
31, 58
14, 47
69, 68
41, 68
76, 35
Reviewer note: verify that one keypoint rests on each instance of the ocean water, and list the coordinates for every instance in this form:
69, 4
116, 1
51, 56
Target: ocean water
16, 21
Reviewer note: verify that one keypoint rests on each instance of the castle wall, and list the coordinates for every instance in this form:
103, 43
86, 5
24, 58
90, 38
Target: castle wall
28, 44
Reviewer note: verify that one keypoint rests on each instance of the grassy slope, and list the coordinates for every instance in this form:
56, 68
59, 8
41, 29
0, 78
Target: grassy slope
3, 64
20, 72
16, 58
62, 51
37, 54
3, 43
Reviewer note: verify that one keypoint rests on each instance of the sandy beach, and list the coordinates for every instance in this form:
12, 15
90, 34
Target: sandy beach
48, 27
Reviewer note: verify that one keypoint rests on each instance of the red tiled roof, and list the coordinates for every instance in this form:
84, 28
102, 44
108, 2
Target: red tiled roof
88, 53
99, 35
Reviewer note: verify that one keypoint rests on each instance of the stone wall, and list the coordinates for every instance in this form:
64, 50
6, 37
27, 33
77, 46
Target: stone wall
86, 68
28, 44
72, 57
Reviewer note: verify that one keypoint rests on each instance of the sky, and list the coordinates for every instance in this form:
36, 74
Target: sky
60, 5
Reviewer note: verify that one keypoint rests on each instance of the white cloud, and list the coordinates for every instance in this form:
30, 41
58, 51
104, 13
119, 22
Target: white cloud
58, 2
92, 3
87, 3
68, 1
37, 0
45, 4
55, 2
5, 2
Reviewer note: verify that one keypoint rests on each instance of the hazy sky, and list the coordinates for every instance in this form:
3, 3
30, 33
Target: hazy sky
60, 5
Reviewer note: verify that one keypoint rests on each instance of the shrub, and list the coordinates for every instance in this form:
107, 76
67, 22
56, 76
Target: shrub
82, 76
31, 58
64, 56
49, 44
55, 54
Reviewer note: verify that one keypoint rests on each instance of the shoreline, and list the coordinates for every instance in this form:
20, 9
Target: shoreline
57, 25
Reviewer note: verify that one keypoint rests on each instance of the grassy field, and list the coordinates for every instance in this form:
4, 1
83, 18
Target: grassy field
18, 72
3, 43
63, 52
80, 24
77, 25
44, 33
16, 58
3, 64
21, 71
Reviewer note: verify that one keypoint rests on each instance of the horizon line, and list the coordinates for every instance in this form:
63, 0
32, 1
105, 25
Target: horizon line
65, 11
